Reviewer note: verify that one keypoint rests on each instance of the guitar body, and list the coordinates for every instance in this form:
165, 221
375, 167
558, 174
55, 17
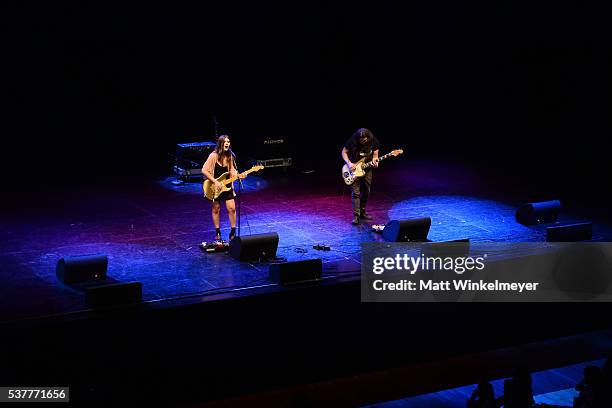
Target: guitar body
361, 166
211, 192
350, 176
226, 179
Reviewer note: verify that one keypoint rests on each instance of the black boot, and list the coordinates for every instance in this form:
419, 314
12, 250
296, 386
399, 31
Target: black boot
355, 200
232, 234
217, 234
364, 215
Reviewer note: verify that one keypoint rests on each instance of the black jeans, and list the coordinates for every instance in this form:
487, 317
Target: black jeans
360, 191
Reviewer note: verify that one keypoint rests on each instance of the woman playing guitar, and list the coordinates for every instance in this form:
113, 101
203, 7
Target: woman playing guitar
220, 161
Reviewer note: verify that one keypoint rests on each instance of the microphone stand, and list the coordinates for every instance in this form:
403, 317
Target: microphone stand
239, 191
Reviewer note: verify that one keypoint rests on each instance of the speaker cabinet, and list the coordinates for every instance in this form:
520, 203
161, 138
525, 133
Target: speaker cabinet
538, 213
114, 294
296, 272
569, 233
411, 230
454, 248
254, 247
80, 269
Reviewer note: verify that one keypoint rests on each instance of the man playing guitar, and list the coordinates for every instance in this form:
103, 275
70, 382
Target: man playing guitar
362, 144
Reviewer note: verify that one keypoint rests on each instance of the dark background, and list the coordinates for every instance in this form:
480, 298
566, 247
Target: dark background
98, 90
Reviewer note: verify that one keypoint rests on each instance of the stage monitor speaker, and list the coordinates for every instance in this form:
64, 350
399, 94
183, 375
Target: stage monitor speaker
569, 233
538, 213
254, 247
410, 230
114, 294
454, 248
296, 272
83, 268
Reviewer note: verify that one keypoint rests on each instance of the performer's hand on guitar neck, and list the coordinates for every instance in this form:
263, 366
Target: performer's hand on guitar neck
375, 162
241, 176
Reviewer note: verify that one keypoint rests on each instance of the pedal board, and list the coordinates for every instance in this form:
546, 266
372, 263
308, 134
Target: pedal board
214, 246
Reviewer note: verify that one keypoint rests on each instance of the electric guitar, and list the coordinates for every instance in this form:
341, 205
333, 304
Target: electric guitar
226, 179
360, 167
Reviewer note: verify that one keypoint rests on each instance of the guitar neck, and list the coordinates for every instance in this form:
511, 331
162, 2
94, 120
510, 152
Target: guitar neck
381, 158
234, 178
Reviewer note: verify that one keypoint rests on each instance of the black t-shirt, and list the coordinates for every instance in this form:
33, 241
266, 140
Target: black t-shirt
357, 151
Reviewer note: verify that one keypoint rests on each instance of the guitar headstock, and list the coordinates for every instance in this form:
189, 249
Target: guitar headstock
257, 167
396, 152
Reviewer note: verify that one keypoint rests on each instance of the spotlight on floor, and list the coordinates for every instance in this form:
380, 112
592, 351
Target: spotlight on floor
453, 248
113, 294
286, 273
582, 231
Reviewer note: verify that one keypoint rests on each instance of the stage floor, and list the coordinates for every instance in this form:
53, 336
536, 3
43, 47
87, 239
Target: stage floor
151, 232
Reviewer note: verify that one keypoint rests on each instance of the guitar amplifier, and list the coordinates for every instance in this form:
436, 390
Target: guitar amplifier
273, 151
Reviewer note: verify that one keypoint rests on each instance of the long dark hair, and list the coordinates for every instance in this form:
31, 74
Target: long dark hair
359, 133
223, 155
363, 132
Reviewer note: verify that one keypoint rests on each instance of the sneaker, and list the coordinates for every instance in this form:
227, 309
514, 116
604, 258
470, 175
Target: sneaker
356, 220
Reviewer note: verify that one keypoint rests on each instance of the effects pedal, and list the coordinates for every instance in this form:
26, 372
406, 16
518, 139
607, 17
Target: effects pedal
378, 228
214, 246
